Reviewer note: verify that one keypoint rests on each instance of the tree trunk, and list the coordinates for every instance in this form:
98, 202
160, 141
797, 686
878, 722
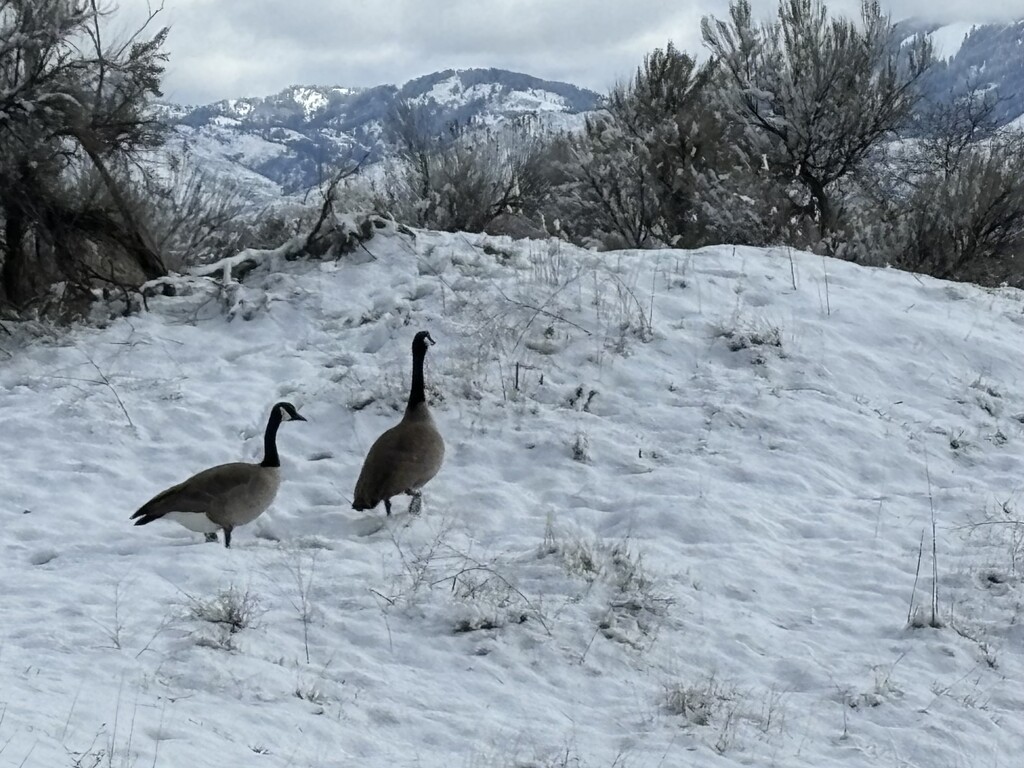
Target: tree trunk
16, 281
142, 245
826, 212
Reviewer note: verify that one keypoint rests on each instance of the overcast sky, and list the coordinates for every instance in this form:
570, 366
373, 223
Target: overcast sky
227, 48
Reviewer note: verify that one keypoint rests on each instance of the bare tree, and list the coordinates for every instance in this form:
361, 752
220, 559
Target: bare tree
192, 213
74, 117
947, 201
950, 128
820, 93
963, 219
461, 177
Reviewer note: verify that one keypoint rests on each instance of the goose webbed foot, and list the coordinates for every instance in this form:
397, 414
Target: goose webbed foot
227, 538
210, 537
417, 502
387, 506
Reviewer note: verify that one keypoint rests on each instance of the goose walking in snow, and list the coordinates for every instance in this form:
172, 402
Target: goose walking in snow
228, 495
404, 458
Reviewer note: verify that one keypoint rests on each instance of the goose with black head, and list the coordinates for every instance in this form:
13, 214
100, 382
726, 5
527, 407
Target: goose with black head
227, 495
407, 456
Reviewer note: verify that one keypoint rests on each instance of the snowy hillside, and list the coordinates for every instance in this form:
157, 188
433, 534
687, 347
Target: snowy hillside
982, 56
947, 40
686, 511
290, 137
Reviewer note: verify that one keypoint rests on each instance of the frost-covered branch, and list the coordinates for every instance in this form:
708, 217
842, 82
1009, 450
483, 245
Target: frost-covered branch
821, 92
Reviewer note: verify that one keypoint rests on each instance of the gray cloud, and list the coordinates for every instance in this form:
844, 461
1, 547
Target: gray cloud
225, 48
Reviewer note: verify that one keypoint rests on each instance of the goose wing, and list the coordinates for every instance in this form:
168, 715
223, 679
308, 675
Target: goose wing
200, 494
403, 458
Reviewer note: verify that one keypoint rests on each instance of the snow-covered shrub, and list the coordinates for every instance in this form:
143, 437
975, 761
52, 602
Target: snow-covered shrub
461, 179
195, 216
699, 703
228, 612
756, 335
472, 593
581, 448
967, 222
817, 94
632, 602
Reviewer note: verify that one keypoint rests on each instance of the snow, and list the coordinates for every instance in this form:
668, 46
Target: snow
310, 99
450, 91
534, 100
240, 107
218, 151
223, 121
947, 40
678, 523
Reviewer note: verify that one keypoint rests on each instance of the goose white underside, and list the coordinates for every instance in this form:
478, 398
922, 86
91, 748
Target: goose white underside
367, 525
194, 521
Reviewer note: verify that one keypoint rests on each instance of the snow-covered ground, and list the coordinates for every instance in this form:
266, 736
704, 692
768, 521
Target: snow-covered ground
680, 521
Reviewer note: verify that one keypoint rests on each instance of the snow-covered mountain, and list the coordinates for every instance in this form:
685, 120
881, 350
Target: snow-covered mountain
685, 518
292, 136
289, 141
989, 56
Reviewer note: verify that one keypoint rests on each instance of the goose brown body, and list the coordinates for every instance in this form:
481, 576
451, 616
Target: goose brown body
407, 456
225, 496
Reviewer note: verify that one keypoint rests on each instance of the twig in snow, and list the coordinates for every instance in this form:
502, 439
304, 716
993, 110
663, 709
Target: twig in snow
917, 575
828, 303
106, 382
304, 579
935, 555
541, 311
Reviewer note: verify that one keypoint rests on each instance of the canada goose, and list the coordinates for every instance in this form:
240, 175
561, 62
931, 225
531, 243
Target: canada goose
404, 458
225, 496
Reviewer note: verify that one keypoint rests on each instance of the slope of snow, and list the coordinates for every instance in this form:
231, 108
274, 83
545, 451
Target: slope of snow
207, 149
680, 520
534, 100
230, 143
947, 40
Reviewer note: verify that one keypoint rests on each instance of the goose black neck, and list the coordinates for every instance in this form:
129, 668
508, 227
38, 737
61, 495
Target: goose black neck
270, 457
416, 394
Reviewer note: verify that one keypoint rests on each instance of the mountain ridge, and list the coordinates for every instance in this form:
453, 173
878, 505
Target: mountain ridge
987, 57
290, 137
